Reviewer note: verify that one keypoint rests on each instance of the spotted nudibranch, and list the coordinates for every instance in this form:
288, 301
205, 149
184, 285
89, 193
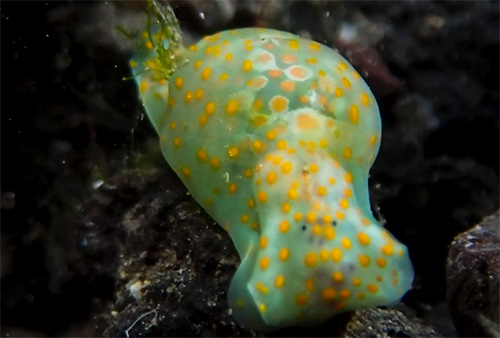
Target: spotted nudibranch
274, 136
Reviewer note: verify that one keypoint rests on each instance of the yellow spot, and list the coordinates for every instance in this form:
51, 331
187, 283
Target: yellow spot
189, 96
338, 277
193, 47
202, 155
231, 107
321, 73
143, 86
297, 216
228, 56
257, 104
336, 255
322, 143
271, 135
312, 60
322, 190
329, 294
251, 203
348, 177
311, 217
286, 167
311, 259
233, 152
292, 194
186, 172
281, 144
214, 163
133, 63
373, 139
197, 64
209, 50
339, 215
245, 218
329, 232
198, 94
346, 82
163, 139
247, 65
286, 207
317, 230
347, 152
364, 99
346, 243
293, 44
363, 238
279, 281
262, 196
364, 260
387, 250
302, 299
263, 242
284, 226
372, 288
344, 204
179, 82
348, 193
258, 145
381, 262
314, 46
262, 307
284, 254
338, 92
223, 77
261, 287
271, 177
354, 114
342, 66
148, 45
323, 255
264, 263
177, 142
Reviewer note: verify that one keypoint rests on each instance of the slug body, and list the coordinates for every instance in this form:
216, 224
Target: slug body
274, 136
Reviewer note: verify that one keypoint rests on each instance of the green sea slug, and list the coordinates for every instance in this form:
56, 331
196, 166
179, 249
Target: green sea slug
274, 136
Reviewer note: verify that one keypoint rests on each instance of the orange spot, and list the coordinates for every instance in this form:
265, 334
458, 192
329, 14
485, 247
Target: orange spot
179, 82
329, 294
264, 57
314, 46
279, 103
302, 299
210, 108
307, 122
231, 107
287, 85
311, 259
205, 74
274, 73
364, 260
372, 288
197, 64
336, 255
257, 104
262, 196
304, 99
202, 155
288, 58
263, 241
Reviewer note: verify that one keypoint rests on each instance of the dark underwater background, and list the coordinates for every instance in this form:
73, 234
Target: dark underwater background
91, 213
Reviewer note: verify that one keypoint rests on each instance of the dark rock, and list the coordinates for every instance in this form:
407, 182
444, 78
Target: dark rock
387, 323
473, 279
